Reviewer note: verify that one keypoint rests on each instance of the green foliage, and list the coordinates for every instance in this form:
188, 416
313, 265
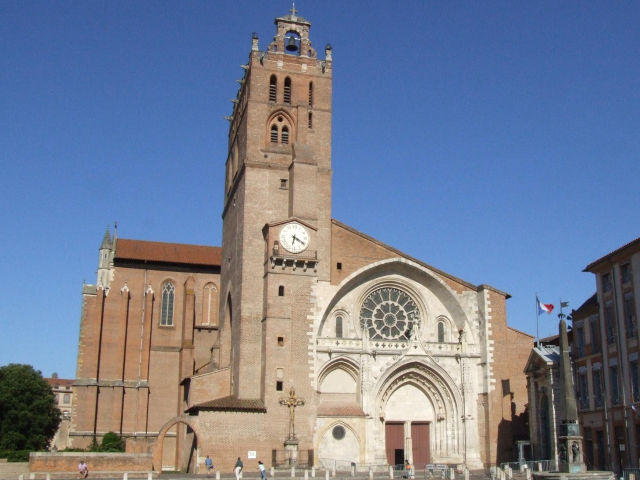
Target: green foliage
94, 447
111, 442
29, 417
15, 455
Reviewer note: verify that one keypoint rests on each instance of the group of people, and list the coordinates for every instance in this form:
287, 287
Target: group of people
237, 470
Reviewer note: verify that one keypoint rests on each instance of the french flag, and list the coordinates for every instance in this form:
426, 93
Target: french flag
543, 307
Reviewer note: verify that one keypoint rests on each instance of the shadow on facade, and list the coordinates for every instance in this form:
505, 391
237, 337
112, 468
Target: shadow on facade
510, 430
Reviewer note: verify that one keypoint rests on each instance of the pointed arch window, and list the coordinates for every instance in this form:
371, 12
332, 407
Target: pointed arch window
279, 132
287, 90
166, 311
273, 88
311, 94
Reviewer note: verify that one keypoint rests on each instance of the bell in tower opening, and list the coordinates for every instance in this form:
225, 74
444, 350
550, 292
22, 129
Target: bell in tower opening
293, 43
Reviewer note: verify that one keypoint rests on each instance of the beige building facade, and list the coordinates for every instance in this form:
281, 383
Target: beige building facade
301, 339
62, 393
605, 353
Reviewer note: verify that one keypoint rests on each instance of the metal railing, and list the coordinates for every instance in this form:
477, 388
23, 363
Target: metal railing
533, 465
627, 472
282, 458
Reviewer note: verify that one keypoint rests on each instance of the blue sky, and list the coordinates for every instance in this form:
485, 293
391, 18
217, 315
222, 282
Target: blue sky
497, 141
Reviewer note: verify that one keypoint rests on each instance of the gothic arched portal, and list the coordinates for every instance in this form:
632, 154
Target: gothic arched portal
418, 406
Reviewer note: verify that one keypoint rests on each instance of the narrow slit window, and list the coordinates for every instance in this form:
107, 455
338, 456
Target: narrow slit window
440, 332
310, 120
311, 94
273, 88
287, 90
281, 291
338, 327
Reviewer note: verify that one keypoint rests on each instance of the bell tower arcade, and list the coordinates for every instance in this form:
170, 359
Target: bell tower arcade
278, 174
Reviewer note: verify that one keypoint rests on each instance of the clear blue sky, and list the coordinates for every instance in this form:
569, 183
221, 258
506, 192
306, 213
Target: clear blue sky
497, 141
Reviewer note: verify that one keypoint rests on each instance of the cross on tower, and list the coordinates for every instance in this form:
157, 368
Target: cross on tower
292, 402
293, 9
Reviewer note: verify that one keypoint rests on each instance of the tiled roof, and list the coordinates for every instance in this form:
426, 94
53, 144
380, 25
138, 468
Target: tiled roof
232, 404
63, 382
632, 246
143, 250
550, 353
590, 304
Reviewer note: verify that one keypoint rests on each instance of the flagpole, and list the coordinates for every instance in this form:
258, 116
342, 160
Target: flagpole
537, 322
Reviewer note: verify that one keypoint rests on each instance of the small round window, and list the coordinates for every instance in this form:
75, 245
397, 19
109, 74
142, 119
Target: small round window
338, 432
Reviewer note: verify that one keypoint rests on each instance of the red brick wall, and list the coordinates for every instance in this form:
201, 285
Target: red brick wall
97, 462
139, 361
511, 349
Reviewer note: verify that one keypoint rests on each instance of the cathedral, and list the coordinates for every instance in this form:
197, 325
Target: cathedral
300, 340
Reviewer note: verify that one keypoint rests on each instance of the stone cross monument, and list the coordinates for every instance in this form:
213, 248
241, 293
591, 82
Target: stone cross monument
291, 443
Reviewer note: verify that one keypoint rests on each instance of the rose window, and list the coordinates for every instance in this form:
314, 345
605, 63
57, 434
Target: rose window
389, 314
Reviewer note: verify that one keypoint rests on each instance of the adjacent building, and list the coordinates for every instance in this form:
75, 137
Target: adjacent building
605, 354
63, 395
301, 339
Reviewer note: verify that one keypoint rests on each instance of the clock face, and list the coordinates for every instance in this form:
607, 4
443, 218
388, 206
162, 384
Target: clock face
294, 237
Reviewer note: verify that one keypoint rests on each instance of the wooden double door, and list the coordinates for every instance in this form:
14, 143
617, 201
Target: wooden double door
417, 438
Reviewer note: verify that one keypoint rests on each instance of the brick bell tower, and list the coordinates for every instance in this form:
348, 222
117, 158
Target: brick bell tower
276, 217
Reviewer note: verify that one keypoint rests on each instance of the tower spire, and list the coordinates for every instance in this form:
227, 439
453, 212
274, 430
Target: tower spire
105, 259
106, 240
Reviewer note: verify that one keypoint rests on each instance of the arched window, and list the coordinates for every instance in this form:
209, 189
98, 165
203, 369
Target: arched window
210, 304
310, 123
166, 312
273, 88
441, 332
311, 94
338, 327
281, 291
287, 90
279, 132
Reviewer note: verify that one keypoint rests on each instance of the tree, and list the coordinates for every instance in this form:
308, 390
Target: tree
29, 417
111, 442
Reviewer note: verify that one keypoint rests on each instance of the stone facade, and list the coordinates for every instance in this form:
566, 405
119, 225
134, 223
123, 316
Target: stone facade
388, 357
545, 401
